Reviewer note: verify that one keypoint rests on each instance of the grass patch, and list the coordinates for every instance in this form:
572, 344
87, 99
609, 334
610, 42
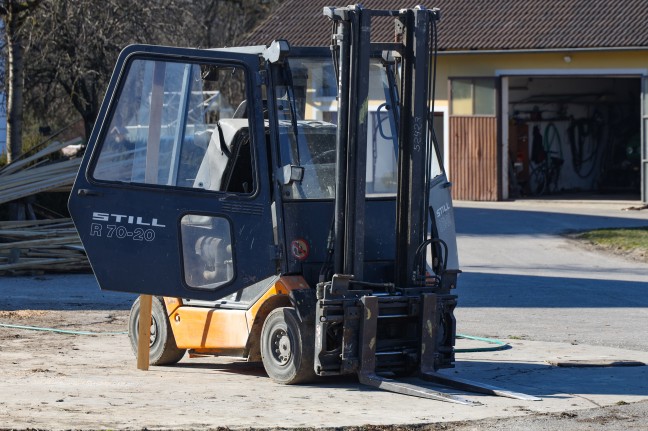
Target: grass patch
632, 242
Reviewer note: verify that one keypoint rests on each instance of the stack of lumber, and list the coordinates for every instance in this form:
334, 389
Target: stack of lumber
38, 173
28, 246
40, 245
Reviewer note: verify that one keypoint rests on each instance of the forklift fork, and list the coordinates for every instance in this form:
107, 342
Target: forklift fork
368, 376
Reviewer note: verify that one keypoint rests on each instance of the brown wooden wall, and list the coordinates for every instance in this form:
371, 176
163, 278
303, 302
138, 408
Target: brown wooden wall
474, 171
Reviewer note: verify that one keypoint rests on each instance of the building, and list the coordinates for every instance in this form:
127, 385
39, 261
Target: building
532, 98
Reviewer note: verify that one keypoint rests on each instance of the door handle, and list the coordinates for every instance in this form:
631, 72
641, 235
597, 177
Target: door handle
447, 184
88, 192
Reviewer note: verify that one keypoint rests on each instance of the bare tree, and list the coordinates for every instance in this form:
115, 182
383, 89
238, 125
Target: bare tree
224, 22
74, 45
14, 14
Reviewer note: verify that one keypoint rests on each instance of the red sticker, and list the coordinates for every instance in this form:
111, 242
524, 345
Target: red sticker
299, 249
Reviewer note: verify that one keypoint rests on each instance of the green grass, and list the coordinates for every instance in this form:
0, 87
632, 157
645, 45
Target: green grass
634, 240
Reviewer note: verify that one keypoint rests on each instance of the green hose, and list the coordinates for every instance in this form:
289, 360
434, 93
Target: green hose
499, 345
59, 331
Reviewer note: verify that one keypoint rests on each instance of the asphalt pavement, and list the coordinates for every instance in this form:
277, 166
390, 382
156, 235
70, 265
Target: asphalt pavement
523, 277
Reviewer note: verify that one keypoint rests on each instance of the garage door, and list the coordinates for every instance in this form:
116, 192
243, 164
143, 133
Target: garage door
575, 136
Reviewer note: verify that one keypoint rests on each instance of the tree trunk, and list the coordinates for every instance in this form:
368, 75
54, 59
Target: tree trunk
15, 69
88, 124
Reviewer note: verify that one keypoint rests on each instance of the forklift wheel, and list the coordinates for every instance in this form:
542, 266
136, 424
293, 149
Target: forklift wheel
287, 347
163, 346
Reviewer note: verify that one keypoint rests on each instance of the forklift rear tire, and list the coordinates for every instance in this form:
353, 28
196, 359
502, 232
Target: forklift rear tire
163, 346
287, 347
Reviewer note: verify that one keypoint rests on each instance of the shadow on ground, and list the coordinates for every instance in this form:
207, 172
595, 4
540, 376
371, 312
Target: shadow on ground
536, 379
486, 221
516, 291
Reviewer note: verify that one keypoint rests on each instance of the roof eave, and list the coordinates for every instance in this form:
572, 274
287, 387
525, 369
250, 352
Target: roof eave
540, 50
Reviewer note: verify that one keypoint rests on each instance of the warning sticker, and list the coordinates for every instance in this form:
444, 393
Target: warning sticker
299, 249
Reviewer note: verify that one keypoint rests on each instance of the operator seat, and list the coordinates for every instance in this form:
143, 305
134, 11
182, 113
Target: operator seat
227, 164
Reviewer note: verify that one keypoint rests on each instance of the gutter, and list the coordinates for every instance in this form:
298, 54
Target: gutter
542, 51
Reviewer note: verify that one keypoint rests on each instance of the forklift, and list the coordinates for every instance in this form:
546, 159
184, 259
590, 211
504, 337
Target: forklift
280, 204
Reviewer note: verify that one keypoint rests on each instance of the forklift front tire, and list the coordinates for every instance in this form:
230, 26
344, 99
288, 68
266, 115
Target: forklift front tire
287, 347
164, 350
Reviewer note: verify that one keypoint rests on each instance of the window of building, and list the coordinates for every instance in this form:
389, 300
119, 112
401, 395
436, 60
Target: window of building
472, 96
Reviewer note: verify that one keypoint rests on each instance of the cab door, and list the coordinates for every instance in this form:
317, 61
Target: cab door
173, 195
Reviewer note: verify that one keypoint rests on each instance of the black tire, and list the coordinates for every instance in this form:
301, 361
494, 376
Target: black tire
164, 350
287, 347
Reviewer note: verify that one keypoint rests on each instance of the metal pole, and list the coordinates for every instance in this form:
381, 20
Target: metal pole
343, 44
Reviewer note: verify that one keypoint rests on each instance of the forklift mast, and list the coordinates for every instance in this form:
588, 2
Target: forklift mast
388, 316
417, 152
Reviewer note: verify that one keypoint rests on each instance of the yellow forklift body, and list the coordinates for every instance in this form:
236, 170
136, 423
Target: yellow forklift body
221, 331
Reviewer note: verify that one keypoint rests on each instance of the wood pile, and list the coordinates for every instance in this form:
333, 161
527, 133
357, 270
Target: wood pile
28, 246
40, 245
38, 173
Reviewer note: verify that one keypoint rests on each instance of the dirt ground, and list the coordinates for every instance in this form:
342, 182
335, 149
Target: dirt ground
62, 381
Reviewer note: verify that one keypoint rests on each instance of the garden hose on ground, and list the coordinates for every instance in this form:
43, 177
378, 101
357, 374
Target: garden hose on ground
59, 331
499, 345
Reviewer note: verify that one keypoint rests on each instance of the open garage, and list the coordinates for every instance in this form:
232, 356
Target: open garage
574, 135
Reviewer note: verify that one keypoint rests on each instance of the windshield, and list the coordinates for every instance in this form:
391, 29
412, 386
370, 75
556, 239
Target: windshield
307, 108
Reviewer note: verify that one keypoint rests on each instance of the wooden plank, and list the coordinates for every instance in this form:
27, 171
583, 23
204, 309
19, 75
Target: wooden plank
29, 223
57, 253
19, 235
32, 263
50, 149
144, 332
49, 245
42, 170
40, 242
41, 245
42, 186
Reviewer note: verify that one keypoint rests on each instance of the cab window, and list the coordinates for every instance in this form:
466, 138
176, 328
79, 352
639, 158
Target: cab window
178, 124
